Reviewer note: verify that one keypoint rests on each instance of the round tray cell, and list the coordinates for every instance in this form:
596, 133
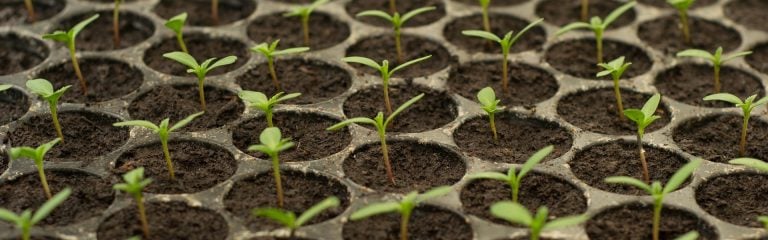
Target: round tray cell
356, 6
200, 46
661, 34
748, 13
13, 12
759, 58
595, 110
665, 5
167, 220
13, 105
383, 48
716, 138
134, 29
426, 222
495, 3
633, 222
735, 198
562, 12
200, 11
528, 84
578, 57
500, 24
20, 53
324, 31
316, 80
690, 83
106, 79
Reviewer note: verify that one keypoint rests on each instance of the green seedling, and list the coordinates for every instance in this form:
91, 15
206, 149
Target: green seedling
657, 191
303, 13
386, 74
682, 7
764, 220
116, 24
68, 38
485, 4
215, 12
260, 101
598, 26
37, 155
26, 220
272, 143
270, 52
515, 213
404, 207
176, 24
163, 131
717, 60
759, 166
289, 220
30, 10
506, 44
746, 106
513, 178
615, 68
692, 235
487, 97
200, 70
643, 118
397, 24
45, 89
4, 87
134, 185
381, 127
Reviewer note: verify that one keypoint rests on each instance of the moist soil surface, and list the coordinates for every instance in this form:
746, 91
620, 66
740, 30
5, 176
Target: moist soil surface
759, 58
105, 79
578, 57
324, 31
134, 29
201, 47
621, 158
13, 105
87, 135
528, 85
633, 222
301, 191
433, 166
500, 24
736, 198
665, 5
3, 162
690, 83
748, 12
716, 138
14, 13
595, 110
168, 220
356, 6
200, 11
663, 35
179, 101
562, 12
198, 166
495, 3
19, 53
426, 222
382, 47
317, 81
519, 138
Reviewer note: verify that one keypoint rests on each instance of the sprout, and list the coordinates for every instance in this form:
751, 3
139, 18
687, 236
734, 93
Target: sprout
163, 131
397, 23
270, 52
484, 4
4, 87
37, 155
657, 191
68, 38
746, 107
514, 178
643, 118
288, 219
487, 98
27, 219
44, 88
764, 220
516, 213
692, 235
381, 127
682, 8
30, 10
615, 68
386, 74
304, 12
598, 26
506, 44
134, 185
215, 11
116, 23
176, 24
272, 143
717, 60
404, 207
200, 70
259, 101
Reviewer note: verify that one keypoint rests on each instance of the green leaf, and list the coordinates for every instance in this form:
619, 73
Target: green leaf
330, 202
253, 97
631, 182
375, 13
487, 97
59, 36
263, 48
696, 53
490, 175
605, 72
521, 32
735, 55
650, 106
751, 162
565, 222
617, 13
433, 193
176, 23
358, 120
635, 115
41, 87
183, 58
692, 235
138, 123
407, 16
4, 87
481, 34
185, 121
223, 62
290, 51
681, 4
51, 204
9, 216
402, 108
681, 175
512, 212
362, 60
409, 63
534, 159
287, 97
573, 26
726, 97
374, 209
286, 218
79, 27
23, 152
271, 137
45, 147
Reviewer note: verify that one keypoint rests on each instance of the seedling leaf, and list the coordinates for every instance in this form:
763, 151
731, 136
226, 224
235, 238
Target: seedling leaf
535, 159
618, 12
751, 162
374, 209
481, 34
362, 60
727, 97
409, 63
512, 212
433, 193
49, 205
630, 181
183, 58
407, 16
176, 23
565, 222
310, 213
185, 121
283, 217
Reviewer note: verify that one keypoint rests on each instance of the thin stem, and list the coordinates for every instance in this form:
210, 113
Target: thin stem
76, 66
599, 42
392, 6
398, 46
305, 28
717, 78
404, 218
619, 104
486, 20
55, 118
743, 142
116, 24
269, 119
505, 73
535, 232
278, 181
180, 40
142, 215
44, 181
584, 10
168, 161
515, 190
30, 10
215, 11
273, 73
26, 233
201, 91
641, 150
385, 152
684, 25
492, 119
387, 102
656, 218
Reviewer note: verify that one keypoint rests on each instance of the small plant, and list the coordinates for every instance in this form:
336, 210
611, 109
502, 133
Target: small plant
682, 7
4, 87
515, 213
68, 38
270, 52
288, 219
598, 26
404, 207
45, 89
759, 166
615, 68
304, 12
260, 101
484, 4
643, 118
397, 24
215, 12
692, 235
386, 74
487, 98
27, 219
116, 24
513, 178
37, 155
200, 70
31, 16
657, 191
746, 107
764, 220
176, 24
134, 185
381, 127
717, 60
272, 143
164, 132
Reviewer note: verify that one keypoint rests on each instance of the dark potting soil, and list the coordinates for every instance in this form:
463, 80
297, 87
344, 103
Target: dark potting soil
167, 220
528, 84
197, 165
578, 57
134, 29
716, 138
200, 11
433, 166
620, 158
426, 222
3, 162
356, 6
14, 12
495, 3
112, 1
106, 79
633, 221
317, 81
179, 101
201, 47
300, 190
382, 47
500, 24
690, 83
87, 135
90, 196
13, 105
280, 238
664, 35
297, 1
434, 110
562, 12
736, 198
759, 58
324, 31
748, 13
18, 53
519, 137
34, 238
595, 110
665, 5
307, 130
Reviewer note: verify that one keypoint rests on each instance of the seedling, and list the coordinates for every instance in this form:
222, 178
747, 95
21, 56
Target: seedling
759, 166
27, 219
200, 70
764, 220
176, 24
506, 44
487, 98
746, 107
215, 11
270, 52
45, 89
30, 10
272, 143
288, 219
37, 155
692, 235
484, 4
304, 12
515, 213
657, 191
643, 118
513, 178
68, 38
615, 68
404, 207
259, 101
682, 7
717, 60
598, 26
116, 23
163, 131
381, 127
397, 24
386, 74
4, 87
134, 185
